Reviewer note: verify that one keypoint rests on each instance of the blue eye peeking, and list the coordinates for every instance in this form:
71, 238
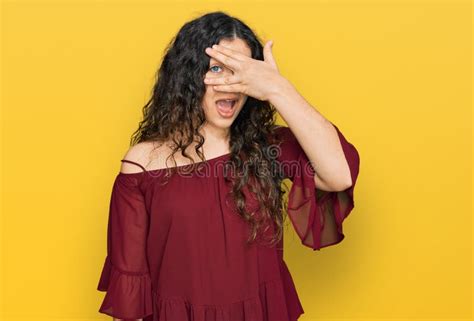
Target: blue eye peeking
214, 67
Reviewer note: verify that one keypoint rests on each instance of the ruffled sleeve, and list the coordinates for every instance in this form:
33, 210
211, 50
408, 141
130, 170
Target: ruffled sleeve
125, 275
316, 215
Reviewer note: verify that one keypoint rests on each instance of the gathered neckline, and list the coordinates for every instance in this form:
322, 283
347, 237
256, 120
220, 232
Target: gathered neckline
156, 170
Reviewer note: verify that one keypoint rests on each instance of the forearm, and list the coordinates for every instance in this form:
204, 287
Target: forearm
316, 135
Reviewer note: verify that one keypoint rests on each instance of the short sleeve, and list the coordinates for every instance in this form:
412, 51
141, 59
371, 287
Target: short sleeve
316, 215
125, 275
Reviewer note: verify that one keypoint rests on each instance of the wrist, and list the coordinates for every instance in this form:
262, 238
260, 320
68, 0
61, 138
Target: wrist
280, 87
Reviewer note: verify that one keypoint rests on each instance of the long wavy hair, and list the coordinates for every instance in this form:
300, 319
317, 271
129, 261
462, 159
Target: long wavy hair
174, 114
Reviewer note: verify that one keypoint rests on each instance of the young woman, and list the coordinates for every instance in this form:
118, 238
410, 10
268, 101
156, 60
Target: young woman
202, 239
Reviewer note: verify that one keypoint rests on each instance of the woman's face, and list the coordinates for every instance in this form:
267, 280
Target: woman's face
221, 114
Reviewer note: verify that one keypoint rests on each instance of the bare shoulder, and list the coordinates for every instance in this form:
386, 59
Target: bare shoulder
138, 153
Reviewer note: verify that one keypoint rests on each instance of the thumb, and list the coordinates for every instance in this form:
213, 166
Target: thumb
268, 55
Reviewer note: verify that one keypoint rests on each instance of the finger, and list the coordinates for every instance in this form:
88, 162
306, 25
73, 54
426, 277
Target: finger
226, 60
230, 52
222, 80
235, 88
268, 55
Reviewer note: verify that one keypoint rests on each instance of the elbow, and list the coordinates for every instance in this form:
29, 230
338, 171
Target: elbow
341, 184
345, 180
335, 185
347, 184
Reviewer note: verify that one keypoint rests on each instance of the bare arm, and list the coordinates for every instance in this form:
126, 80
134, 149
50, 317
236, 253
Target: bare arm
316, 135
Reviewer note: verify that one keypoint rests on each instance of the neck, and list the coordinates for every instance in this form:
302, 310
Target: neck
215, 134
216, 139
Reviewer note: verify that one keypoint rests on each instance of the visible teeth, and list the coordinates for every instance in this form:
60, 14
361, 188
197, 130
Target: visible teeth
232, 101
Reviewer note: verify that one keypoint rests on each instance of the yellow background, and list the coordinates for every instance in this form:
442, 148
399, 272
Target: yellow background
395, 76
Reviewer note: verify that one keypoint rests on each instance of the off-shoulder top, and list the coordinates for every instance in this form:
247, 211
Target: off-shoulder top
177, 251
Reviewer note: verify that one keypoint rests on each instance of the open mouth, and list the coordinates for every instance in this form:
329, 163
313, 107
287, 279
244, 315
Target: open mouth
225, 107
226, 103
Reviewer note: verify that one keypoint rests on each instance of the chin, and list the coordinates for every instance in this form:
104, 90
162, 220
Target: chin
219, 122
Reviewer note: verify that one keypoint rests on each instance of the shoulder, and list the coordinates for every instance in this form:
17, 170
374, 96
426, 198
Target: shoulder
139, 154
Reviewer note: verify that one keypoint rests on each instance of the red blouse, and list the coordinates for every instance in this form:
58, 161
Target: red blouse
177, 252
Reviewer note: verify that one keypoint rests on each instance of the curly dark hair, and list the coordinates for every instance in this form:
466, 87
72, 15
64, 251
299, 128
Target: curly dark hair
174, 114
